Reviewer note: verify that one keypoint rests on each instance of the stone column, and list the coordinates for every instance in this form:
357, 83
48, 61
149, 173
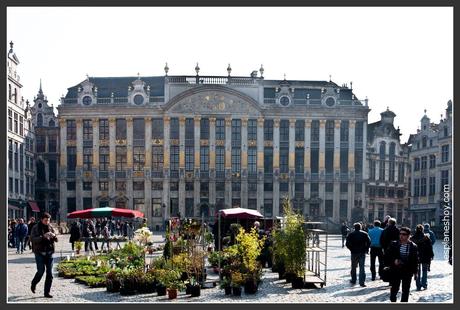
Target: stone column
260, 164
322, 146
112, 158
129, 161
197, 144
244, 162
147, 171
276, 165
364, 143
95, 169
292, 158
322, 141
182, 165
306, 164
62, 169
212, 160
336, 193
228, 161
166, 170
351, 167
79, 168
337, 146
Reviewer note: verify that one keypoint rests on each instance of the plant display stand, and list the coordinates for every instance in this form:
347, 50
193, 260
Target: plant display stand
316, 262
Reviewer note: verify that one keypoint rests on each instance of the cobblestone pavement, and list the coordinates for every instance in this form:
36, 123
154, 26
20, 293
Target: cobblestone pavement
21, 269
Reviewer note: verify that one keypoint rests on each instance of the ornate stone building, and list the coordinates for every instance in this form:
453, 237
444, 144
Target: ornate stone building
47, 155
431, 174
21, 175
387, 167
195, 144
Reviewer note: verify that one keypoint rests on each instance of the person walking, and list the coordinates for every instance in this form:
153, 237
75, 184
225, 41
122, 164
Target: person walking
389, 234
376, 248
427, 230
75, 234
86, 234
30, 225
129, 230
20, 234
11, 235
345, 230
105, 237
43, 239
402, 258
92, 234
425, 255
358, 243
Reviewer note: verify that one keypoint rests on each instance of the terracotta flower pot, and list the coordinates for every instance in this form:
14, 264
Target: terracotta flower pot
172, 293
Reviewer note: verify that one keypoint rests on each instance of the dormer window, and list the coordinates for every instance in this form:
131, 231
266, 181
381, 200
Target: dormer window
424, 142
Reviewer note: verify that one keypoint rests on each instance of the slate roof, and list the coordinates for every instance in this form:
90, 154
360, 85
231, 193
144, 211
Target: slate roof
119, 86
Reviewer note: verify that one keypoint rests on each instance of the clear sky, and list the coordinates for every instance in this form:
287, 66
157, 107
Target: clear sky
397, 57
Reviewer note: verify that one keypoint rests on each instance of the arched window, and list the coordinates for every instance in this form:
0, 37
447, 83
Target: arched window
51, 123
392, 151
9, 91
39, 120
382, 150
424, 142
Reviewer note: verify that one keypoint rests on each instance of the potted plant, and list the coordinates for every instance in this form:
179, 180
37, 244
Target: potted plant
250, 284
160, 277
146, 284
129, 282
195, 287
112, 281
225, 283
173, 283
209, 239
78, 246
297, 282
236, 281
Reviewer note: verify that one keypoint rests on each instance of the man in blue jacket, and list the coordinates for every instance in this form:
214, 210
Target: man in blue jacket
20, 232
376, 247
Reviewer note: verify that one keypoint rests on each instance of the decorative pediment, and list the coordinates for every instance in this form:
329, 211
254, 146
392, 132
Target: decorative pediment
213, 100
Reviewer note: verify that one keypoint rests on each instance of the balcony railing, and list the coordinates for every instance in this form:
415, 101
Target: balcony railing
214, 80
120, 174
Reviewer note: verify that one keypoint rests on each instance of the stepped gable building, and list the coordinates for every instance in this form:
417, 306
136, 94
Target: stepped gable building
47, 141
431, 174
190, 145
387, 168
21, 175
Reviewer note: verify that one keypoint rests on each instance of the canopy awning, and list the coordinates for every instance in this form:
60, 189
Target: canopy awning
240, 213
34, 206
105, 212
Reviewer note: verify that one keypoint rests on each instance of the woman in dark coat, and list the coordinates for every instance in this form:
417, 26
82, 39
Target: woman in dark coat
75, 234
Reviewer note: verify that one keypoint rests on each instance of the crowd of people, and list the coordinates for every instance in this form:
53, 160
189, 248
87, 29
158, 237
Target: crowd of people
89, 231
19, 234
401, 254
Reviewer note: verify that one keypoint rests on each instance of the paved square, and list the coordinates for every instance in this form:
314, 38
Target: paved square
21, 269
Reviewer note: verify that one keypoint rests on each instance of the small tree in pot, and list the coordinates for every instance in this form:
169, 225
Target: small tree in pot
112, 281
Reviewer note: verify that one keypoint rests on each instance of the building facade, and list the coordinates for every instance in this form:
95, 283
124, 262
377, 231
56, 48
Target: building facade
387, 167
21, 175
191, 145
46, 155
431, 169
